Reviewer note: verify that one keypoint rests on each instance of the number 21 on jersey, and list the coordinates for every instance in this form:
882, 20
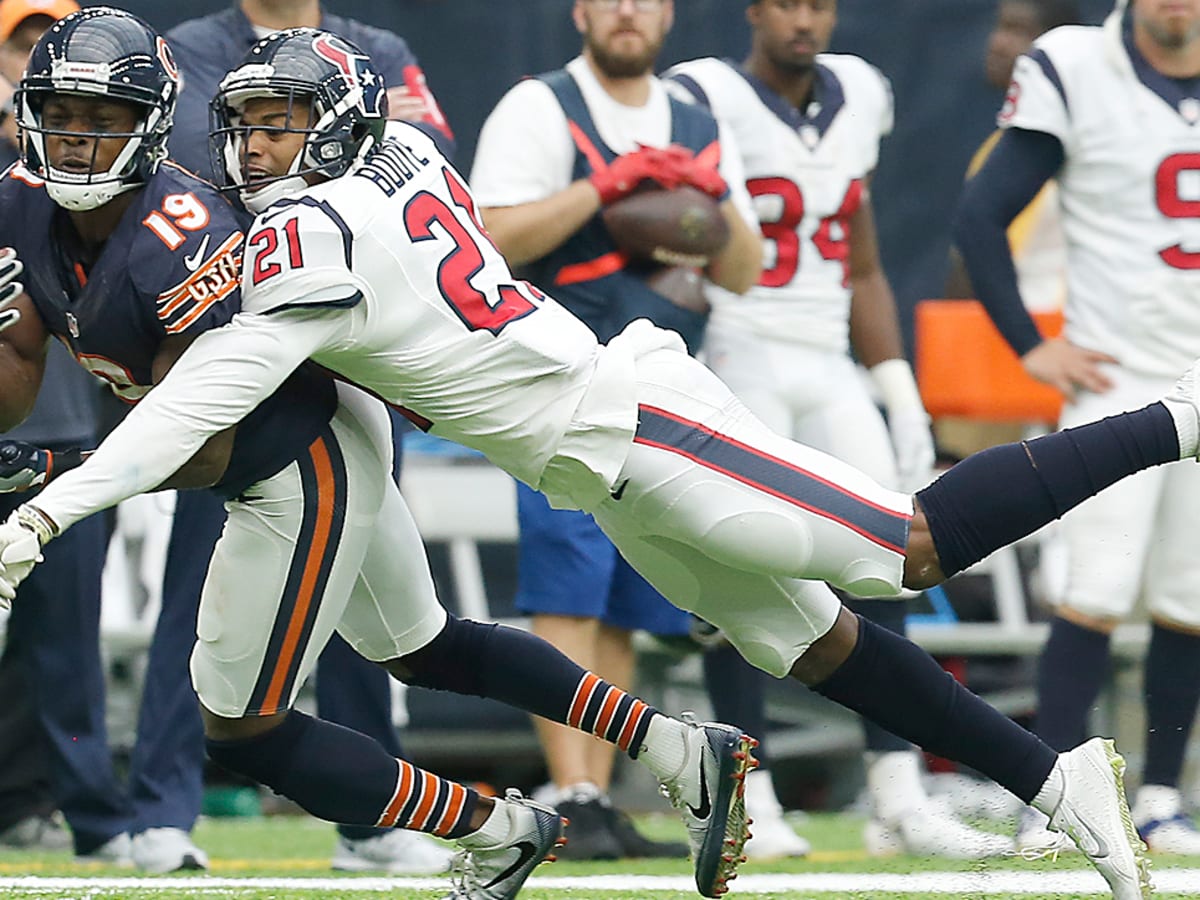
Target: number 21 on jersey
266, 258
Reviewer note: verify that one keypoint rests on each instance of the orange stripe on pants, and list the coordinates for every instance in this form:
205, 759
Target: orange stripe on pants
312, 567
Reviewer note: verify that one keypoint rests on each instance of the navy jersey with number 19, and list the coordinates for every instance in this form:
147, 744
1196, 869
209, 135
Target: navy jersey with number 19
171, 267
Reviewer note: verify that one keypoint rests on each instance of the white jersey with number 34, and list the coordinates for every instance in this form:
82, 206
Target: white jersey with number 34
806, 172
1129, 191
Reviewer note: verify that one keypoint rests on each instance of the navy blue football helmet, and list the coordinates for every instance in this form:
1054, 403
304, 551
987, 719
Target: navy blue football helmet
326, 75
105, 53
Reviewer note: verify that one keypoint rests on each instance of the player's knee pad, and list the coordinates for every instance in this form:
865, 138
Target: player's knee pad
454, 660
264, 757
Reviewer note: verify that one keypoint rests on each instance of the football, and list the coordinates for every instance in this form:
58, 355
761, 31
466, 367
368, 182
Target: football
679, 227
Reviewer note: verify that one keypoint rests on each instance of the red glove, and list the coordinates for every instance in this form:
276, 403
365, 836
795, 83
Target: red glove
625, 173
704, 178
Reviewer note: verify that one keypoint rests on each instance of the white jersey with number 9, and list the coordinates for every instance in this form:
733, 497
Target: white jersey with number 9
1129, 190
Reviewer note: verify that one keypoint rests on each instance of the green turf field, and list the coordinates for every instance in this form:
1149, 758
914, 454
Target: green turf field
286, 858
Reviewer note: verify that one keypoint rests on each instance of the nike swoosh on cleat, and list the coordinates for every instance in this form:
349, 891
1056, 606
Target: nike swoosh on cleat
1099, 848
193, 261
525, 851
704, 810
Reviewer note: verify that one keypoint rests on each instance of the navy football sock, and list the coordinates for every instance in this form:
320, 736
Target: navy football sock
889, 614
1071, 671
891, 680
1172, 689
529, 673
995, 497
737, 692
343, 776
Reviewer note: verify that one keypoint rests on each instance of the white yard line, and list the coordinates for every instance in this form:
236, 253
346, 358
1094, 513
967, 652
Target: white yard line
925, 883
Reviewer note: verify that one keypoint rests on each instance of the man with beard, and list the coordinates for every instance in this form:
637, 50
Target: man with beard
809, 124
1111, 114
601, 123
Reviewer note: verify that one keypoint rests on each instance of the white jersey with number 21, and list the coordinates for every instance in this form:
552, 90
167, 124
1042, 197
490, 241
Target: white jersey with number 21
438, 323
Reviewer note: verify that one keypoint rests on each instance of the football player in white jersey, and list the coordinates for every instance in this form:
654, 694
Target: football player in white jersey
809, 124
1113, 113
383, 275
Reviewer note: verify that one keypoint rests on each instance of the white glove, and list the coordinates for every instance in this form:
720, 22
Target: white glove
908, 424
21, 539
912, 442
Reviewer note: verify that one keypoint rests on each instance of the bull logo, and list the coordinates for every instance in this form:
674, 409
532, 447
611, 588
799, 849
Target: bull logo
357, 71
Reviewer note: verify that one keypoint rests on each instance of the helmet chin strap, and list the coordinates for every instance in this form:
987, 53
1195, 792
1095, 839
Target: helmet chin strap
259, 199
82, 197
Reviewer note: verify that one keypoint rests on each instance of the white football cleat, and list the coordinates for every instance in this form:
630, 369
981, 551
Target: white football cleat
1094, 814
708, 791
397, 852
1162, 823
162, 850
930, 830
497, 871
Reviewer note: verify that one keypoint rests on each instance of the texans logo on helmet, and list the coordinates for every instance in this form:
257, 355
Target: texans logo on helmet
356, 71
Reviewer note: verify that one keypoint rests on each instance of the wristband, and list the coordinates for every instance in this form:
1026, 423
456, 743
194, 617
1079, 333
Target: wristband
37, 522
894, 378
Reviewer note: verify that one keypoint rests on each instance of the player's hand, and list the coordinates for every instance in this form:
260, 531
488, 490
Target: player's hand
630, 170
1068, 367
912, 442
703, 177
10, 288
23, 466
20, 550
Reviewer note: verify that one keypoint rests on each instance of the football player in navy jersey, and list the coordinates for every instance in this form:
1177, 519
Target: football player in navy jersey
128, 258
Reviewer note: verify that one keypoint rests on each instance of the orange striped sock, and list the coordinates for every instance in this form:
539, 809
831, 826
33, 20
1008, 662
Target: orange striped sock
426, 802
609, 713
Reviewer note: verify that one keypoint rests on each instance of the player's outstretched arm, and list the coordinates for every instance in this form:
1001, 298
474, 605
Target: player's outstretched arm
220, 378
